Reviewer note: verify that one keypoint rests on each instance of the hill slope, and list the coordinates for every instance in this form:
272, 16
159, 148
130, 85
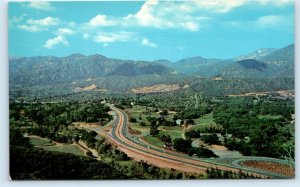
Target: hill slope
53, 70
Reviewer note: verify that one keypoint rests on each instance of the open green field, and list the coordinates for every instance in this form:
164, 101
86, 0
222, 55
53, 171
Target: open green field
73, 149
39, 142
206, 121
154, 141
143, 112
64, 148
173, 134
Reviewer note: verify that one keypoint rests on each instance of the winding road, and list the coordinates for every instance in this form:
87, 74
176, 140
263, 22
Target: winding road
141, 151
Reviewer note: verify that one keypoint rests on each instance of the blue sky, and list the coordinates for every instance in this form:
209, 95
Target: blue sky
150, 30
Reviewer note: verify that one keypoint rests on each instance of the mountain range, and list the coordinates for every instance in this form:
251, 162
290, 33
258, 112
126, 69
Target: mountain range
80, 70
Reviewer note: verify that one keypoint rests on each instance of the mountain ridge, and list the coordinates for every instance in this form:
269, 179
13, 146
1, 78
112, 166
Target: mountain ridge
51, 70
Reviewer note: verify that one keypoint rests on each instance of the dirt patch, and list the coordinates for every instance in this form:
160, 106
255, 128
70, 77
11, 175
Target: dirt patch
219, 147
270, 166
133, 131
87, 125
156, 88
92, 87
106, 129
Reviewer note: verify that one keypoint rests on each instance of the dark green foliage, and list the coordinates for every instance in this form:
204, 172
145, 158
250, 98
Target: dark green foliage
240, 116
16, 138
239, 86
39, 164
215, 173
154, 131
182, 145
164, 112
192, 134
202, 152
252, 64
240, 145
193, 113
50, 118
165, 138
142, 124
190, 122
211, 139
132, 120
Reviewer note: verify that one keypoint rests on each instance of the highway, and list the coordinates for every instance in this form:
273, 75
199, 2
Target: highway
132, 146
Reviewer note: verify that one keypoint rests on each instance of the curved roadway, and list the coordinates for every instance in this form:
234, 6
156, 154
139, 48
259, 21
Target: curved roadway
120, 136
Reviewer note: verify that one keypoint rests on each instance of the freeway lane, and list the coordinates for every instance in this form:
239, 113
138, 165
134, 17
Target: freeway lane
120, 136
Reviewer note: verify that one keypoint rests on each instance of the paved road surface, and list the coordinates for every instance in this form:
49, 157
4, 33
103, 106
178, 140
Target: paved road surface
120, 136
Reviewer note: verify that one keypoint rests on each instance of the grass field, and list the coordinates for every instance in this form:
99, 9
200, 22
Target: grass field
154, 141
172, 134
64, 148
73, 149
39, 142
204, 122
141, 112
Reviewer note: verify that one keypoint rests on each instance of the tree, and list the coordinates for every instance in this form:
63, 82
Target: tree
142, 124
164, 112
192, 134
190, 122
182, 145
211, 139
132, 120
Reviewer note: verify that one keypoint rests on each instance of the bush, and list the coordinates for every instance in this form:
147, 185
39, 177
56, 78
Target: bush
202, 152
192, 134
182, 145
132, 120
142, 124
211, 139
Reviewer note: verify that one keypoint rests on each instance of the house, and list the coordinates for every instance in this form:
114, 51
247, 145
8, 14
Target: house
178, 122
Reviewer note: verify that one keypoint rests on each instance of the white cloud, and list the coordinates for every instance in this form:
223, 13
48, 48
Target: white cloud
65, 31
55, 41
146, 42
101, 20
220, 6
271, 21
276, 2
281, 22
224, 6
86, 36
17, 19
165, 15
41, 5
192, 26
48, 21
39, 24
111, 37
31, 28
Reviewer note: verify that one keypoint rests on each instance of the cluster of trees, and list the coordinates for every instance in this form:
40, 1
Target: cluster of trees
50, 119
67, 166
192, 134
211, 139
215, 173
193, 113
165, 138
185, 146
259, 126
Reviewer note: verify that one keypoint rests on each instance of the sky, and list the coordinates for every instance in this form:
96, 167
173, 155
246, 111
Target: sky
149, 30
